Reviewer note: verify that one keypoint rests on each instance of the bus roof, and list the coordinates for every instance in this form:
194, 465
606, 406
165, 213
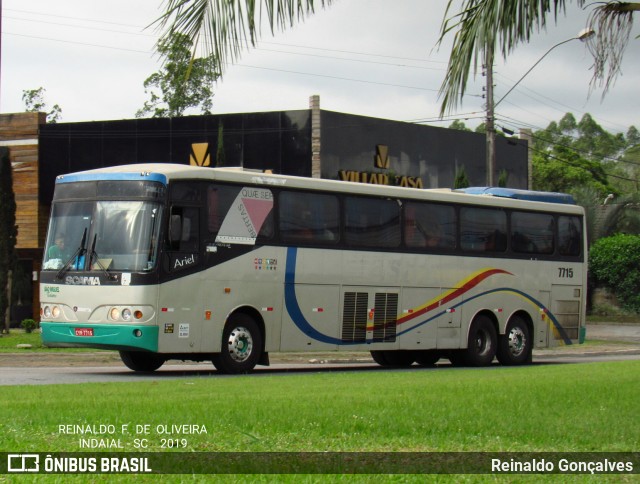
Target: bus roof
533, 196
168, 171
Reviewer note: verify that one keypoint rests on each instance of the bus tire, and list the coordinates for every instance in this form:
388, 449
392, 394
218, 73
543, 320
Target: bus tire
427, 357
241, 346
141, 361
482, 342
397, 358
514, 347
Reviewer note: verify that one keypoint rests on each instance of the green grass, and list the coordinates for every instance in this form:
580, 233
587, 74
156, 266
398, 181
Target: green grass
547, 408
9, 342
590, 407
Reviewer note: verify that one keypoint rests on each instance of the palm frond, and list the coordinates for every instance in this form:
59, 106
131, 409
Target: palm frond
226, 27
482, 26
612, 23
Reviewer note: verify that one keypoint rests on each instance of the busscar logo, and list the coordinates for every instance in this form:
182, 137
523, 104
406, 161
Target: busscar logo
23, 463
200, 155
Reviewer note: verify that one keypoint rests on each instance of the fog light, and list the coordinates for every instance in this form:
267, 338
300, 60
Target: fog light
137, 333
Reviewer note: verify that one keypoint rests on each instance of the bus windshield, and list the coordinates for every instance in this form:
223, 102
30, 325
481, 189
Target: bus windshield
103, 235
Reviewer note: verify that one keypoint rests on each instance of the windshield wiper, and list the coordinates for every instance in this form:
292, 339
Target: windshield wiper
80, 251
92, 254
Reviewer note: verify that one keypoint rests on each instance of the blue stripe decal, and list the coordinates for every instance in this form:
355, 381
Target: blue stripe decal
295, 313
291, 303
137, 176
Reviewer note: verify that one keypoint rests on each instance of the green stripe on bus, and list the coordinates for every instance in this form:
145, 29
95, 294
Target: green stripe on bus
115, 336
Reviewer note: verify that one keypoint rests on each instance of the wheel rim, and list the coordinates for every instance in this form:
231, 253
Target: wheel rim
517, 341
483, 342
240, 344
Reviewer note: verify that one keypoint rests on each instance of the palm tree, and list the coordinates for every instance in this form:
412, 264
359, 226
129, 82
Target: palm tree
483, 25
225, 26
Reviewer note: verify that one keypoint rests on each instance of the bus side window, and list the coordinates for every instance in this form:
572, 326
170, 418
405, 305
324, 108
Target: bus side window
372, 222
483, 229
532, 233
309, 217
570, 235
430, 226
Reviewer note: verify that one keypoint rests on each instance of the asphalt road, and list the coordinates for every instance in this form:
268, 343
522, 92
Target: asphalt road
620, 342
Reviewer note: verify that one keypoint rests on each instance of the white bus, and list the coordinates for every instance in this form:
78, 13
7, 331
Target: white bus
162, 261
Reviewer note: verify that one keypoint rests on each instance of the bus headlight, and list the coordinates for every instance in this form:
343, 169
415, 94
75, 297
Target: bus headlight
47, 312
114, 314
126, 314
55, 311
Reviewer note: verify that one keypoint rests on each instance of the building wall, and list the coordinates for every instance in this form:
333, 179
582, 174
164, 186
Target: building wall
278, 141
358, 147
19, 133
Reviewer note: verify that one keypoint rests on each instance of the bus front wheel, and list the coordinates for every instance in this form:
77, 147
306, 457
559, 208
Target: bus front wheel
514, 348
141, 361
241, 346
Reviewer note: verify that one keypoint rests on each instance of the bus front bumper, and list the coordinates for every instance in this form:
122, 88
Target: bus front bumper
102, 336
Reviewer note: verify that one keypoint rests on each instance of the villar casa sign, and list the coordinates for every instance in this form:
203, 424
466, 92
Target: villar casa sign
381, 161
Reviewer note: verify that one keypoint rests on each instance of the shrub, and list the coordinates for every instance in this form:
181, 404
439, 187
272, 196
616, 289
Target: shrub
614, 262
29, 325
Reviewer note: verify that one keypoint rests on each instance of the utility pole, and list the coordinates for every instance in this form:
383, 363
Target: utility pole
583, 36
489, 124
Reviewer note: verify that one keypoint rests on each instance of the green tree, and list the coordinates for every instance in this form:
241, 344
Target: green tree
563, 169
8, 235
614, 262
482, 26
461, 180
34, 103
220, 156
459, 125
182, 83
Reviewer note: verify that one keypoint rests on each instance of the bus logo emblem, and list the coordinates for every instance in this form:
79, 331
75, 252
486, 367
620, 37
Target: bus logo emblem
382, 156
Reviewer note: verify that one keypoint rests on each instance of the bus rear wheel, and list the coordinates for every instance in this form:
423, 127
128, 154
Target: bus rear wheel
241, 346
514, 348
482, 342
141, 361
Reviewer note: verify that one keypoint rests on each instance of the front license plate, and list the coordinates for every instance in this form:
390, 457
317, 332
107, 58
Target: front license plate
84, 331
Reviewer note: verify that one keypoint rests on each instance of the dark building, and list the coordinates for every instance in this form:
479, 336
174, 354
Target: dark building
307, 143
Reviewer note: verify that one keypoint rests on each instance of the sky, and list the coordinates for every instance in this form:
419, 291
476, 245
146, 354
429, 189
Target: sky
376, 58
